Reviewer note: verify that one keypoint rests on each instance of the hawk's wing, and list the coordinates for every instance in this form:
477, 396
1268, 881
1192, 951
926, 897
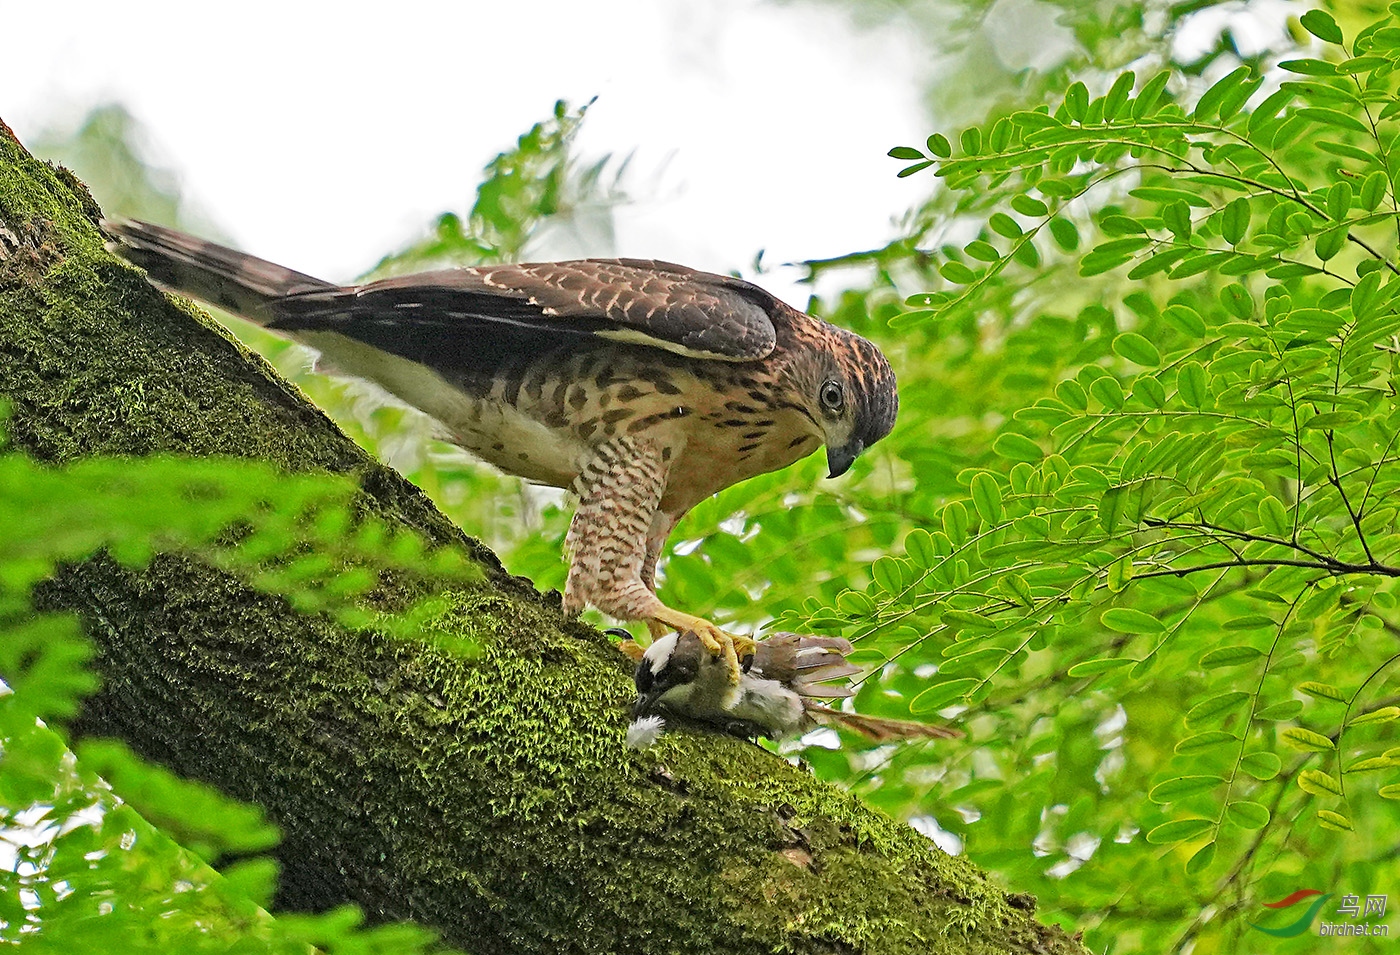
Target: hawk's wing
644, 302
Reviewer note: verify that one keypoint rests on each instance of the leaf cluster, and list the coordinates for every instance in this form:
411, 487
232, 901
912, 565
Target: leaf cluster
100, 851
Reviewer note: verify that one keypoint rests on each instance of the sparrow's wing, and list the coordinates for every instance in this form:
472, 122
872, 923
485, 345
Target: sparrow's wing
805, 663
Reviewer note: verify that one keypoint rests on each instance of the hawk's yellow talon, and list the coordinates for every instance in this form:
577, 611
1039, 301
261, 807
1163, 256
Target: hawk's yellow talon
729, 647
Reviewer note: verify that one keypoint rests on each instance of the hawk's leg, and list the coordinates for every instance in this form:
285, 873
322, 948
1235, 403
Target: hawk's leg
610, 543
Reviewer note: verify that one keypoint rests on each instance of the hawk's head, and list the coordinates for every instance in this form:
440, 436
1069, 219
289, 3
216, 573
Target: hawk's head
848, 390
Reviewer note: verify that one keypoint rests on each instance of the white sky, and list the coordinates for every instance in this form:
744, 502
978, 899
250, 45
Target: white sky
324, 139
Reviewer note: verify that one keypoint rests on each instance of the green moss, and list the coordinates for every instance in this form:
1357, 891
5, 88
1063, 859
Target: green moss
489, 797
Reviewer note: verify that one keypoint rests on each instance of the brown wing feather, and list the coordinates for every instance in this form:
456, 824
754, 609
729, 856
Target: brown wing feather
643, 301
650, 303
805, 663
243, 284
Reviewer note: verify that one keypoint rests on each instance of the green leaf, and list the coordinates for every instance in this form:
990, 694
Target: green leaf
1110, 510
957, 273
905, 152
885, 572
1265, 114
1247, 814
1373, 190
986, 498
1274, 518
1179, 830
1190, 384
1209, 103
1309, 67
1321, 25
1120, 574
1234, 220
1107, 392
1318, 783
1150, 95
1324, 691
1136, 348
1332, 117
1072, 393
1166, 194
1382, 715
1117, 96
1391, 791
955, 522
918, 544
1339, 200
1280, 712
855, 604
1177, 217
941, 695
1261, 765
1250, 621
1202, 858
1365, 295
1003, 225
1215, 706
1334, 820
1187, 319
1077, 101
966, 618
1307, 739
1104, 665
939, 146
1230, 657
1128, 620
1029, 205
982, 251
1017, 447
1330, 242
1206, 740
1173, 789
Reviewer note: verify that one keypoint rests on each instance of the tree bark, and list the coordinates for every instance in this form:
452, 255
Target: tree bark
491, 798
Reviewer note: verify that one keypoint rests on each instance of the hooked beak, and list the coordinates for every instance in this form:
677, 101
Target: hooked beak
839, 460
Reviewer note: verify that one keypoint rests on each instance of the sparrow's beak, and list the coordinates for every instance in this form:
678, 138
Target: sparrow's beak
839, 460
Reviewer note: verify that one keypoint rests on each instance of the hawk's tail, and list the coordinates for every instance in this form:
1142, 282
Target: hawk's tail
214, 274
877, 729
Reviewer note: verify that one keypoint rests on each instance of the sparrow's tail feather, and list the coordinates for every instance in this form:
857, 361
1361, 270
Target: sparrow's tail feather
877, 729
214, 274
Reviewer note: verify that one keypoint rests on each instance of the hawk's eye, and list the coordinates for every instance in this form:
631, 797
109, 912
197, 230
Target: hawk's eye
833, 396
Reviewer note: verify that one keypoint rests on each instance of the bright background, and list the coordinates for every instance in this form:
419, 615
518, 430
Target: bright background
323, 138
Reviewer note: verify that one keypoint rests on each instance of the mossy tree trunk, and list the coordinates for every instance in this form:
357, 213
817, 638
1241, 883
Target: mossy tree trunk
491, 799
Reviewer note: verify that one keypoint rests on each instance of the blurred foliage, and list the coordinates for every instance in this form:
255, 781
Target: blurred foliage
108, 150
83, 867
527, 192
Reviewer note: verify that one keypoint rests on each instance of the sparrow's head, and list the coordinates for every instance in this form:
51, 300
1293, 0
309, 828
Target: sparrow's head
667, 672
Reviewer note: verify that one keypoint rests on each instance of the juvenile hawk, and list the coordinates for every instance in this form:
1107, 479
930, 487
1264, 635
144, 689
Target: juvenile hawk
642, 386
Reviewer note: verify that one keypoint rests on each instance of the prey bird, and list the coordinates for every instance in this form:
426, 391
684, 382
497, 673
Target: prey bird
779, 693
642, 386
